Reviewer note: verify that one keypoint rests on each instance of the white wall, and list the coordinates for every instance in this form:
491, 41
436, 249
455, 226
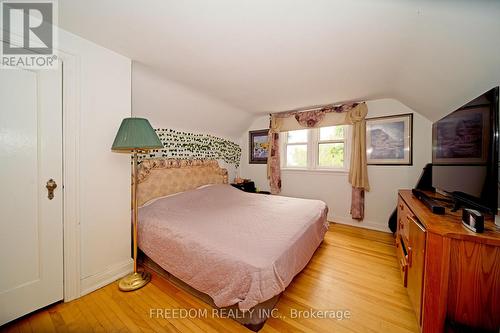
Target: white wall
333, 188
103, 94
168, 104
433, 56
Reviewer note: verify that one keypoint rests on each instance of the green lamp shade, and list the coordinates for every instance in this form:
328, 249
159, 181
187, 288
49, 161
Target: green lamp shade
136, 133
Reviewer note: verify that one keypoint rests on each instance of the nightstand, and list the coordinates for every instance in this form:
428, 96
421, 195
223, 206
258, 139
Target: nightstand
246, 186
249, 187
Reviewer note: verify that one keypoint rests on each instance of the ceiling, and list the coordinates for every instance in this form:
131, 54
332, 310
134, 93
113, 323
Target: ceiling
274, 55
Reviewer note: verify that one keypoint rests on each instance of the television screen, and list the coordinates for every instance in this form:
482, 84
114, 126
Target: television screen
465, 152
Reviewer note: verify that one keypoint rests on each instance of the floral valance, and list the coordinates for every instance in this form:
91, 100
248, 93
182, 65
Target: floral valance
341, 108
310, 118
326, 116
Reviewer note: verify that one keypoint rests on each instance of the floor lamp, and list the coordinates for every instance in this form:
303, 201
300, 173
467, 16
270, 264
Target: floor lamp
135, 136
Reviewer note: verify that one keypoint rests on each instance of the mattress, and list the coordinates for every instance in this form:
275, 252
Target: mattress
254, 319
237, 247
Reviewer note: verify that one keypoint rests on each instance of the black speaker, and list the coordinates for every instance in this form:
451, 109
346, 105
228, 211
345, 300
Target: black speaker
424, 183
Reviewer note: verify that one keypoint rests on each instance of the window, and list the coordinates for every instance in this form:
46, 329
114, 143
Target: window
323, 148
296, 148
331, 147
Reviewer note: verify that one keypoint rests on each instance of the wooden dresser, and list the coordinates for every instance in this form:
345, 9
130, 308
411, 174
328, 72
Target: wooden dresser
452, 275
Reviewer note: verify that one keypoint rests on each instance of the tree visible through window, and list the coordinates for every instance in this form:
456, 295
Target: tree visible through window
296, 148
331, 147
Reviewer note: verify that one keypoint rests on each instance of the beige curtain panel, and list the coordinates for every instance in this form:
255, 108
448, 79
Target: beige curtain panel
346, 114
273, 160
358, 171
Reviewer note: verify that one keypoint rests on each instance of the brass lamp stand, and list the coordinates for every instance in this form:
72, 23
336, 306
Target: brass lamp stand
135, 135
136, 279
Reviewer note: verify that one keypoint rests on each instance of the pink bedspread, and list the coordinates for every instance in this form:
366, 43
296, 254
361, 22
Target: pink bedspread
236, 247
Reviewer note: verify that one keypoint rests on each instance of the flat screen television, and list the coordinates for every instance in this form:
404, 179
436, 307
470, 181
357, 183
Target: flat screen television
465, 154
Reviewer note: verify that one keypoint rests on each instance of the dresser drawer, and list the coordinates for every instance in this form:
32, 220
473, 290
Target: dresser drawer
402, 256
403, 222
416, 264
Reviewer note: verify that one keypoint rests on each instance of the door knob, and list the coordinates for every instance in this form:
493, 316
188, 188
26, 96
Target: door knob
51, 186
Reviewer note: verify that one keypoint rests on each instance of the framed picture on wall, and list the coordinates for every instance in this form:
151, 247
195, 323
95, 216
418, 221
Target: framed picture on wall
462, 137
258, 146
389, 140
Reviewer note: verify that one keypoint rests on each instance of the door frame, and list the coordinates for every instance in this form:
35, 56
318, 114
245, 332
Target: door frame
71, 75
71, 174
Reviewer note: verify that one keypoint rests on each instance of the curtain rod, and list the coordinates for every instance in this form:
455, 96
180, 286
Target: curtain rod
317, 107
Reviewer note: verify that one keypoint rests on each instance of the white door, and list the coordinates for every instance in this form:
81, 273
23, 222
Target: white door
31, 230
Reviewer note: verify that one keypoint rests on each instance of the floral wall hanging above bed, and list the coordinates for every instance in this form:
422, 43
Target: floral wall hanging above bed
185, 145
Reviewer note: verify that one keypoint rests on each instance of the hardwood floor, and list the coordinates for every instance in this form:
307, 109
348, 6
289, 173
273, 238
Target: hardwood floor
354, 269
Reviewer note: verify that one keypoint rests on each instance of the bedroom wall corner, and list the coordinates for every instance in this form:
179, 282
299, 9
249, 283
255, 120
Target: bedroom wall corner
333, 188
102, 98
171, 105
255, 172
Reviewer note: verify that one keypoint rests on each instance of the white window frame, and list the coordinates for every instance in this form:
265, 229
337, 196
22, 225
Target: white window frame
284, 144
313, 142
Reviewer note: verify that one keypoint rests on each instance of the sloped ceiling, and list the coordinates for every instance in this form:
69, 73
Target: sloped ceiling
274, 55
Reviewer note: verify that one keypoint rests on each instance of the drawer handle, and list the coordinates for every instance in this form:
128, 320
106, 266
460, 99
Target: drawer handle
410, 255
420, 226
401, 206
402, 264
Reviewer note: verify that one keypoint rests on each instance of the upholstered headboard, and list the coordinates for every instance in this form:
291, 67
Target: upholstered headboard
158, 177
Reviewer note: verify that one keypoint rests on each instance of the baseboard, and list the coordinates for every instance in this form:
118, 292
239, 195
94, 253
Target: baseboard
111, 274
360, 224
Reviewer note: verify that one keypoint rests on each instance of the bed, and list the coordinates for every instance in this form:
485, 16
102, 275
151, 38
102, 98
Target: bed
230, 248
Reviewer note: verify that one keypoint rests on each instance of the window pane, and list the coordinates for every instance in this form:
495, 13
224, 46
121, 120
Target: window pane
331, 155
297, 136
331, 133
296, 155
